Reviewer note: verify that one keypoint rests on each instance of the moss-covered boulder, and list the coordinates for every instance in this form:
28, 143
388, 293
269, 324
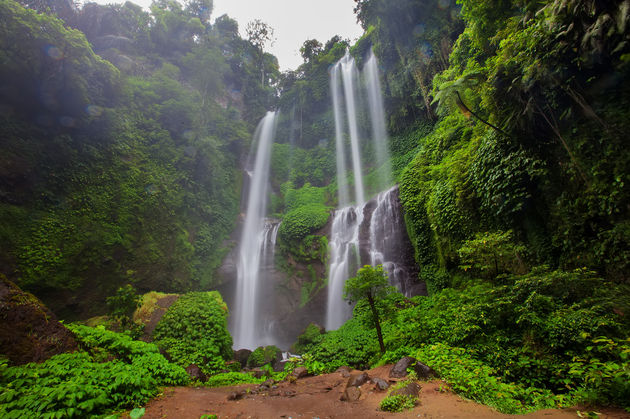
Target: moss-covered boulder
29, 331
264, 355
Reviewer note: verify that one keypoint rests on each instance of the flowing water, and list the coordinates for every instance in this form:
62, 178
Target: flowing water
366, 232
255, 242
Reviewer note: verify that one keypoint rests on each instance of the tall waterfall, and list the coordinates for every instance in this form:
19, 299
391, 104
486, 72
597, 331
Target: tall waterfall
255, 241
367, 232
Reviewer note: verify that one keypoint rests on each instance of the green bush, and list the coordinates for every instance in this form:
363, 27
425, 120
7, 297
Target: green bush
300, 222
398, 403
262, 355
307, 339
194, 331
83, 384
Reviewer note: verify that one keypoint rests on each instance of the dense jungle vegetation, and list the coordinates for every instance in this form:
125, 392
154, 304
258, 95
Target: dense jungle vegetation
123, 133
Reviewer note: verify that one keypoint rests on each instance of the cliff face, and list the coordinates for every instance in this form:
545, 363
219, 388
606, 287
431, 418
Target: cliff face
294, 291
29, 331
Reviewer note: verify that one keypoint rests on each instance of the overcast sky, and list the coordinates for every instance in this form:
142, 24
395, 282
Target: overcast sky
293, 21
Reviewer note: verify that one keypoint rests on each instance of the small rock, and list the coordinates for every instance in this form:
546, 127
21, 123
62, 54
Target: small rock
195, 373
289, 393
270, 382
380, 384
259, 373
344, 371
300, 372
358, 380
236, 395
352, 394
411, 389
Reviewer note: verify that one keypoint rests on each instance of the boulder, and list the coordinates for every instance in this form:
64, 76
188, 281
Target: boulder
411, 389
29, 331
424, 371
358, 380
195, 373
380, 384
400, 369
351, 394
241, 356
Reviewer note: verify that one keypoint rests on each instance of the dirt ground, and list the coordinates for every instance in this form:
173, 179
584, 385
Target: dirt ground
318, 397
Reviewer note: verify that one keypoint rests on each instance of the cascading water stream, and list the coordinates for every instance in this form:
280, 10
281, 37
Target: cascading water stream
368, 232
254, 241
377, 118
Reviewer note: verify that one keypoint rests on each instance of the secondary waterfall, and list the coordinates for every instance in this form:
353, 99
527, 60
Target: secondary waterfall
365, 232
255, 242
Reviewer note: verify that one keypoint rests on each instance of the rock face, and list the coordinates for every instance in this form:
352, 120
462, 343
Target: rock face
29, 331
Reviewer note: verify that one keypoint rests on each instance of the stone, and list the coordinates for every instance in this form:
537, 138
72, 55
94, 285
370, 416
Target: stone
411, 389
351, 394
241, 356
259, 373
300, 372
195, 373
400, 369
29, 331
380, 384
344, 371
424, 371
236, 395
358, 380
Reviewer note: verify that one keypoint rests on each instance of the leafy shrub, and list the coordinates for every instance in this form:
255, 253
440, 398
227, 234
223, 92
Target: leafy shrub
194, 331
471, 378
492, 253
398, 403
307, 339
352, 344
262, 355
300, 222
122, 304
81, 385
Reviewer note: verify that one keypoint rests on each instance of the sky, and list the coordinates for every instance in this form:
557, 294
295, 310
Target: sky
293, 21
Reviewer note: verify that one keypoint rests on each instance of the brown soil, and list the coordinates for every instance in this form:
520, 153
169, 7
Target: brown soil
318, 397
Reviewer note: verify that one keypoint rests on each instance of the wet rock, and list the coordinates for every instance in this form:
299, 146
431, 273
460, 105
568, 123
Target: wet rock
195, 373
358, 380
29, 331
380, 384
351, 394
300, 372
241, 355
411, 389
344, 371
400, 369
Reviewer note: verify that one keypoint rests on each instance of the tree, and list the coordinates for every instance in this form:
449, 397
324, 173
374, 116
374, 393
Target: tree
259, 34
371, 284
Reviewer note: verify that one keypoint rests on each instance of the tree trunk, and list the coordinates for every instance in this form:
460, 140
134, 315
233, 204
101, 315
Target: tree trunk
377, 322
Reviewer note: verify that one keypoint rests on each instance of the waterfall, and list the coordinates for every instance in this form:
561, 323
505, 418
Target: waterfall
368, 232
255, 241
386, 237
377, 118
344, 260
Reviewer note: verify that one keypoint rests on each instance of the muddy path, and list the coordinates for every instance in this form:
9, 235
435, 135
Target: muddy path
319, 397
